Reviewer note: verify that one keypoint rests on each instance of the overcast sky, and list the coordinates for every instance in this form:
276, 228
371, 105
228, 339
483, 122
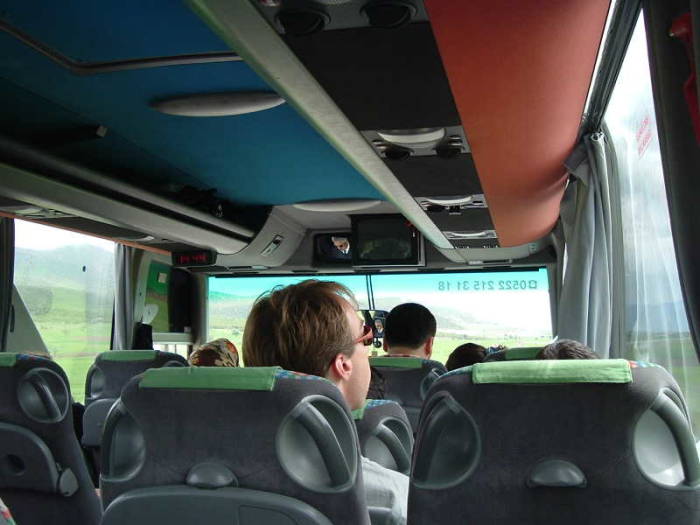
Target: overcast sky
40, 237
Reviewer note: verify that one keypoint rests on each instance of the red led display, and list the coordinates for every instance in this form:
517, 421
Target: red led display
198, 258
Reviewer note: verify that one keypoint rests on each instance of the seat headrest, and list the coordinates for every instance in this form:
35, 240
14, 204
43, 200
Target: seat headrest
128, 355
549, 371
525, 352
359, 413
8, 360
219, 378
403, 362
42, 390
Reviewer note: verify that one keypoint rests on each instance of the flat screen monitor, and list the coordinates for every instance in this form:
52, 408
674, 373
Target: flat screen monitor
385, 240
333, 248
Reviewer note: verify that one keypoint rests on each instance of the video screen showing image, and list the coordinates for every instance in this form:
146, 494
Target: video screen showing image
333, 248
384, 240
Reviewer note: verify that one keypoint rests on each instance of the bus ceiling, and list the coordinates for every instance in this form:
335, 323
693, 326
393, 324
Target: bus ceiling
373, 111
513, 87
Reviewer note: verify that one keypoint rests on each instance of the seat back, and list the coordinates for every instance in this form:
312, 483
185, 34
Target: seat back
260, 445
106, 378
385, 434
43, 476
407, 381
578, 441
514, 354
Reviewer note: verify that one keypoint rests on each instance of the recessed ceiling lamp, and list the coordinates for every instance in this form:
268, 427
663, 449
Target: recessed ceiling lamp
337, 205
218, 104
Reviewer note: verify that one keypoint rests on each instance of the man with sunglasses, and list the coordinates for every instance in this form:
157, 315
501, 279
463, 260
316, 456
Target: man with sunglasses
312, 327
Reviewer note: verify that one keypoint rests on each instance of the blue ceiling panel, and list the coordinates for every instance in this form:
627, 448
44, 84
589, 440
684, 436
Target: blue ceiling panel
89, 30
268, 157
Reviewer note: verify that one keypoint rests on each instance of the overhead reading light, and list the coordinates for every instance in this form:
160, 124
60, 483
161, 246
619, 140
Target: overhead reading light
397, 144
417, 138
300, 22
389, 14
218, 104
459, 201
485, 234
337, 205
453, 204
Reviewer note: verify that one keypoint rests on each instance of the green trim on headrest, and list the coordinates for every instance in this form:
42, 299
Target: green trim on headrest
397, 362
7, 360
551, 371
128, 355
211, 378
359, 413
526, 352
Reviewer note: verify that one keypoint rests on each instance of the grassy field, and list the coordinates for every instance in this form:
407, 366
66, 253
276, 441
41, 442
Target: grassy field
74, 325
76, 369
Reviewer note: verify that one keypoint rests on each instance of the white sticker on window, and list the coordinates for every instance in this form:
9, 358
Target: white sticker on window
162, 278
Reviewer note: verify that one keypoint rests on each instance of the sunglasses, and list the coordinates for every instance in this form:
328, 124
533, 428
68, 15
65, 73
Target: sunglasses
367, 336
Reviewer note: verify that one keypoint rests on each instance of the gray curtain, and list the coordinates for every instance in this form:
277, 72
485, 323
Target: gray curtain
585, 304
123, 328
7, 269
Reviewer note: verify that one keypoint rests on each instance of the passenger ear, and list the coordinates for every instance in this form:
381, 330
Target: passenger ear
340, 369
429, 347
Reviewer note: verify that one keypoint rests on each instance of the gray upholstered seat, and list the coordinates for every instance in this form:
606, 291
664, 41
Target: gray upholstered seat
575, 442
407, 380
231, 445
105, 380
43, 476
385, 434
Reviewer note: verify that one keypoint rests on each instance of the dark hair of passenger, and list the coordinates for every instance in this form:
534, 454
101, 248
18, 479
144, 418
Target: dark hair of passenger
566, 349
409, 325
300, 327
465, 355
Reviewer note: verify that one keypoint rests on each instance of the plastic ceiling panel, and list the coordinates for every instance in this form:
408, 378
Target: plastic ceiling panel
269, 157
520, 73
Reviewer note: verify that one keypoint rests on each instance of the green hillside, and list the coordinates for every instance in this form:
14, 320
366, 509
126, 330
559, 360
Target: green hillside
69, 294
79, 267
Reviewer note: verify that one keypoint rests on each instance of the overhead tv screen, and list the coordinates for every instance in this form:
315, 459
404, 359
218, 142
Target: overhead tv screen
385, 240
333, 248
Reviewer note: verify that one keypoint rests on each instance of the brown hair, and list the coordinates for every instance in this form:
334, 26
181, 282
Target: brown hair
300, 327
566, 349
465, 355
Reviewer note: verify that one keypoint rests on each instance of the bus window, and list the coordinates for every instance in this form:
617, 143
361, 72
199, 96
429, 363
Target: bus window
231, 299
654, 320
66, 280
488, 308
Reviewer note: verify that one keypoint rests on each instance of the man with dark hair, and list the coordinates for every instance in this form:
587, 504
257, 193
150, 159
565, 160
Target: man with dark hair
465, 355
566, 349
409, 330
312, 327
